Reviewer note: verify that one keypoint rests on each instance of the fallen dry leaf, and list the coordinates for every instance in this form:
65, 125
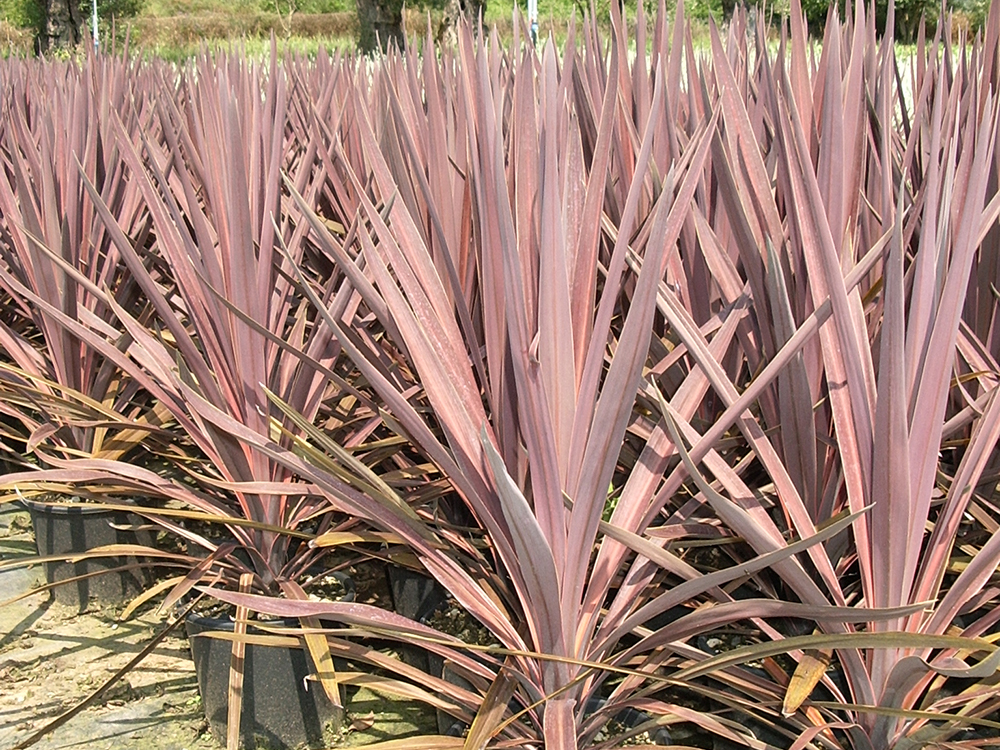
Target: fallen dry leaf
361, 723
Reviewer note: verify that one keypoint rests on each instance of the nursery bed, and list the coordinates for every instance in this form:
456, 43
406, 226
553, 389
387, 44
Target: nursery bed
51, 658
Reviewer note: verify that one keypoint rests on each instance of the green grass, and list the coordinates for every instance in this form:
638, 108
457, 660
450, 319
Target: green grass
552, 10
254, 47
165, 8
170, 8
177, 29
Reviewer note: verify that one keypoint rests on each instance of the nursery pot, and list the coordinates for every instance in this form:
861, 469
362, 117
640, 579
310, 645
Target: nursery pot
282, 708
75, 529
414, 595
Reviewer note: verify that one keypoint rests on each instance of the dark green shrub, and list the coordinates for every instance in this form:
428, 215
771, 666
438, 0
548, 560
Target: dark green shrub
23, 14
284, 7
973, 12
114, 9
31, 14
908, 15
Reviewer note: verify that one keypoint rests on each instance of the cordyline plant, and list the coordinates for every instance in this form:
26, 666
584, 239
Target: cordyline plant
62, 397
226, 325
859, 261
230, 323
623, 307
69, 399
526, 320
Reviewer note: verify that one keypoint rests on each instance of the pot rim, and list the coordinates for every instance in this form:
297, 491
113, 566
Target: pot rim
82, 508
228, 624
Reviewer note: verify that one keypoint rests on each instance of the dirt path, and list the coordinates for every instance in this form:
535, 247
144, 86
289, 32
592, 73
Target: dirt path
51, 658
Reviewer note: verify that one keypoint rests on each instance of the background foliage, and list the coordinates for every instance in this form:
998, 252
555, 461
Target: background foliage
30, 14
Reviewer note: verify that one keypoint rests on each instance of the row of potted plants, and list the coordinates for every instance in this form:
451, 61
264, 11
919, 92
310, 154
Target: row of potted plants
621, 350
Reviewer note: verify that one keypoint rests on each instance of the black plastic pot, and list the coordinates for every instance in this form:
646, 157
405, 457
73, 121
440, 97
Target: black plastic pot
75, 529
281, 707
414, 595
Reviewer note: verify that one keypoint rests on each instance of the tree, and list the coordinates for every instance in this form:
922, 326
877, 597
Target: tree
380, 24
63, 23
907, 13
453, 12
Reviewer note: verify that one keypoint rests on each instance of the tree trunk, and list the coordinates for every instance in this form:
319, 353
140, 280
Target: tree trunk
62, 25
380, 24
453, 12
